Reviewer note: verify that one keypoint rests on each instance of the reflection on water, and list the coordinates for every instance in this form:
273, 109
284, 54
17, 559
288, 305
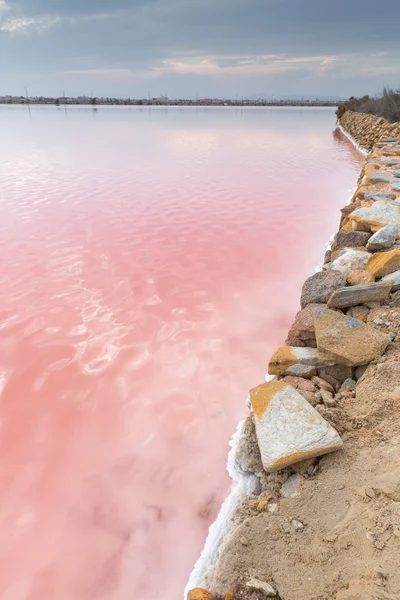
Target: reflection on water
151, 261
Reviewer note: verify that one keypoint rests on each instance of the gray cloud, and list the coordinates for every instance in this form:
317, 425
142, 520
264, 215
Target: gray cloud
190, 45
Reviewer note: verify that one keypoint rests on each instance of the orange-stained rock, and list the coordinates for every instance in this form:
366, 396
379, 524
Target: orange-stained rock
383, 263
199, 594
289, 360
229, 596
345, 340
288, 428
358, 277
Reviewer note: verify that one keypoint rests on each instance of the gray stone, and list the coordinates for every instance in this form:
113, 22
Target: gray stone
378, 177
384, 238
319, 287
395, 278
389, 140
349, 384
396, 187
358, 294
396, 173
350, 239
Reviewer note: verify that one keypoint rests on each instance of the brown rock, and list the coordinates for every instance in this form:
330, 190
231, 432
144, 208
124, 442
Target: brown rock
349, 208
350, 239
303, 326
319, 287
327, 398
323, 384
358, 277
344, 340
199, 594
300, 383
383, 263
229, 596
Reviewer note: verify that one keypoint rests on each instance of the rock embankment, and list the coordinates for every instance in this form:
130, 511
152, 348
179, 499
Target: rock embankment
368, 130
323, 436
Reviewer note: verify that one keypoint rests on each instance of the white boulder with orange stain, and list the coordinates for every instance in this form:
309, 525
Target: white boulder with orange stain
288, 428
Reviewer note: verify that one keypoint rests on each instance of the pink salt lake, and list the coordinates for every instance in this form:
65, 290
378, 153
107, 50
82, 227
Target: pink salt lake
151, 261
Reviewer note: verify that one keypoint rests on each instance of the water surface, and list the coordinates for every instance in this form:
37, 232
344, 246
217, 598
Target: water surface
151, 261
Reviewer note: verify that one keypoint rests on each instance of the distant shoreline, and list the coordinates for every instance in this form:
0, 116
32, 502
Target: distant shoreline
93, 102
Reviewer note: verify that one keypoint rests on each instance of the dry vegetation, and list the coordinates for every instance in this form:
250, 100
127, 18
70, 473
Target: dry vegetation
387, 105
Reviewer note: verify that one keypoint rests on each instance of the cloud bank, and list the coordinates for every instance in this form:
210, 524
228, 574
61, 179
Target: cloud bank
199, 47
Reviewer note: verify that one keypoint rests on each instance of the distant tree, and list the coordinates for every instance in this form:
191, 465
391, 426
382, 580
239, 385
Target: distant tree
57, 102
94, 101
140, 102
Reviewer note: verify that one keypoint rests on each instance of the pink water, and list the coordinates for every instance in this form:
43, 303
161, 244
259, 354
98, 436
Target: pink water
151, 260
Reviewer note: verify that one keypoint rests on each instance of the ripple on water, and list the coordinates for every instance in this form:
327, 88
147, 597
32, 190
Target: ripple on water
142, 291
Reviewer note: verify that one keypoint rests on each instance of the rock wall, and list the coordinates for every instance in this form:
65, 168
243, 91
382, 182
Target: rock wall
367, 130
323, 436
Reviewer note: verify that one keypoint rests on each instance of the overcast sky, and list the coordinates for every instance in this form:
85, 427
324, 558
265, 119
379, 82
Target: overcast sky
215, 48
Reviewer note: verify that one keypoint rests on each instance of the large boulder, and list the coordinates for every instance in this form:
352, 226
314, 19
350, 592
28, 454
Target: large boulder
383, 239
320, 286
289, 360
378, 177
359, 294
288, 428
376, 216
383, 263
350, 260
345, 340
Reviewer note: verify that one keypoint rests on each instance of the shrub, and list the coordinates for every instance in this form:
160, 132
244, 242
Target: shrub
387, 105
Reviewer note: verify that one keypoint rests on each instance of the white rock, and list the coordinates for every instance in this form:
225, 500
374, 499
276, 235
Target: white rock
288, 428
378, 215
261, 586
350, 259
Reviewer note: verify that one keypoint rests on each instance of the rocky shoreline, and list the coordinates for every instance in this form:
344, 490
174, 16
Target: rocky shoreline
322, 441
